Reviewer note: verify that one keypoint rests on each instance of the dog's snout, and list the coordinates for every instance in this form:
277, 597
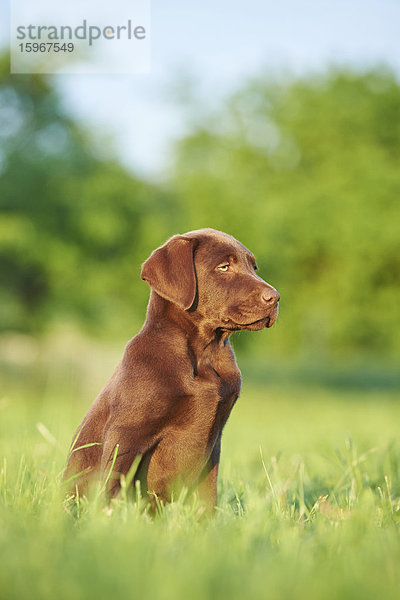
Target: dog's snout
271, 296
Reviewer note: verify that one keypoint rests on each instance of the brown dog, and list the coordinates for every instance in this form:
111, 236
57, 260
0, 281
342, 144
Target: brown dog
170, 396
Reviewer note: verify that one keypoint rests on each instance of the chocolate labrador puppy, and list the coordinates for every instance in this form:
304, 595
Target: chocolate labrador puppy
170, 396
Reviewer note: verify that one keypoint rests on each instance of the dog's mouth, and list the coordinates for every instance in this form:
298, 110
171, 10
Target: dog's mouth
266, 321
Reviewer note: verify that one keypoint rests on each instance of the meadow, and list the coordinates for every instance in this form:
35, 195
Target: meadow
309, 491
305, 172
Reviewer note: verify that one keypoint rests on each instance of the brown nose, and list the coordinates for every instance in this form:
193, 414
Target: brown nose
271, 296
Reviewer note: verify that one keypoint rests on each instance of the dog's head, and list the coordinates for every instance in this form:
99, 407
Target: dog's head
211, 273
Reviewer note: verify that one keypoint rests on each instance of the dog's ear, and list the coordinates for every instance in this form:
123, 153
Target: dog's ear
170, 271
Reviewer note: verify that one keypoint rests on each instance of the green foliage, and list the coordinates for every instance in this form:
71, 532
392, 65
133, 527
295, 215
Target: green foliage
306, 174
73, 228
303, 172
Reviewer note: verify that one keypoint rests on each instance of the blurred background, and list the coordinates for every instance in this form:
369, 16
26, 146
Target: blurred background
277, 124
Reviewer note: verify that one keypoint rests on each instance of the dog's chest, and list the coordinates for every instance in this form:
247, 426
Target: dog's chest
218, 372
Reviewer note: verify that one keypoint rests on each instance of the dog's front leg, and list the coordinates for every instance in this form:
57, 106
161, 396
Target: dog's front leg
207, 486
179, 462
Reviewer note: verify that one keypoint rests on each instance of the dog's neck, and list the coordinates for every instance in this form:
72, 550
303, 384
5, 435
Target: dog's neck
202, 334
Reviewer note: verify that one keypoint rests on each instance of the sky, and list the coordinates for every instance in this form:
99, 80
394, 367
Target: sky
215, 46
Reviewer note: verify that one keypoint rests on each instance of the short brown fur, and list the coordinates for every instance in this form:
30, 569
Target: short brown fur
170, 396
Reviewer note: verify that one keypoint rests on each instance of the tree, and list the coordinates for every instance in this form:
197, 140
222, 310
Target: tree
73, 228
306, 173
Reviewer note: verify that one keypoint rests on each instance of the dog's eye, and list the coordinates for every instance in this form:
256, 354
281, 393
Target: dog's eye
224, 267
255, 266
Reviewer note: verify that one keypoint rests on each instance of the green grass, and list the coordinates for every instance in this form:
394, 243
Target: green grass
309, 502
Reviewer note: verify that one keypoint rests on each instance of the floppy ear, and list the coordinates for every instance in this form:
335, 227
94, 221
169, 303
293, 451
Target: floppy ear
170, 271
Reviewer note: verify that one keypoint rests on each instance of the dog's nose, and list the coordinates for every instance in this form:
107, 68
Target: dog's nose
271, 296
